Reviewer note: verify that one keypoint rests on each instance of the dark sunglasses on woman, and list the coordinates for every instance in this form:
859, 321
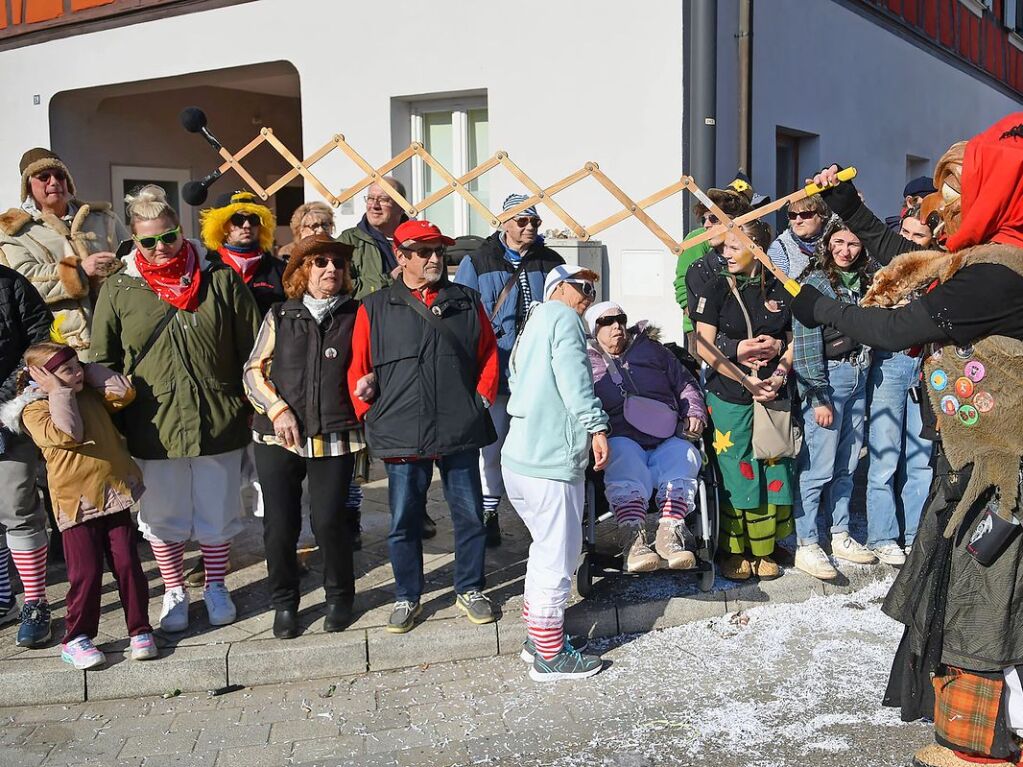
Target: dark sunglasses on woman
614, 319
803, 215
167, 238
240, 219
46, 175
320, 262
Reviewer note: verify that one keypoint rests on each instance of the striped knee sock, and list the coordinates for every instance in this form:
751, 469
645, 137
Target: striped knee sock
215, 559
6, 595
490, 503
354, 501
170, 558
548, 640
31, 567
674, 508
630, 513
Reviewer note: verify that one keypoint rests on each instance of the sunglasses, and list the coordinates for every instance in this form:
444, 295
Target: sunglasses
241, 219
586, 288
709, 219
803, 215
523, 221
339, 262
614, 319
46, 175
167, 238
427, 252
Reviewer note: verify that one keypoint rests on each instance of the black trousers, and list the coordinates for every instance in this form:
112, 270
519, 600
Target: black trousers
280, 475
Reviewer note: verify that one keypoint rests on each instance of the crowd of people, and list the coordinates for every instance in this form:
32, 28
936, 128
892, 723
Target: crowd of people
164, 376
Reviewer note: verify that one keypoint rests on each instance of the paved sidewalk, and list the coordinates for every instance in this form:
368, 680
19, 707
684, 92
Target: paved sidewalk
246, 653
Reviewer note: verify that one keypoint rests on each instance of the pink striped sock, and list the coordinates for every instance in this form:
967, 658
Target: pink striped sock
170, 558
547, 640
674, 508
31, 567
630, 512
215, 560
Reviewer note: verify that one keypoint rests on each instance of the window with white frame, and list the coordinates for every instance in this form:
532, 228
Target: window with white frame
455, 132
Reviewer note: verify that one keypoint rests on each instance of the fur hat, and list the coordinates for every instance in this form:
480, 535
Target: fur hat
214, 220
36, 161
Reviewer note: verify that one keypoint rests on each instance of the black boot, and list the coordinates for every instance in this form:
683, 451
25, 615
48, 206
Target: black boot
429, 527
339, 616
493, 530
286, 622
356, 521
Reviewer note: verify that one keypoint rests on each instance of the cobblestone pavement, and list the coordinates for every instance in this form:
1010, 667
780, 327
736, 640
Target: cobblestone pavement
775, 686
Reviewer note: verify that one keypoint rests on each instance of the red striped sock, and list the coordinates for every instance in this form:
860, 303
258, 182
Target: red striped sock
674, 508
170, 558
630, 512
31, 567
215, 560
548, 640
525, 611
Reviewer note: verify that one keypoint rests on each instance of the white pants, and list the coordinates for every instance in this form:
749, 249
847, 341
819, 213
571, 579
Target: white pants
633, 473
490, 456
192, 498
1014, 702
553, 513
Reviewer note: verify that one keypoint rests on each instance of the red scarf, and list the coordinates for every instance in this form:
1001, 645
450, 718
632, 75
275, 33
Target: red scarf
992, 188
245, 265
175, 281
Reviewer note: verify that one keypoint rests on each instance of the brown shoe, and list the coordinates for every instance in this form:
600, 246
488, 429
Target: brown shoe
735, 567
765, 568
670, 547
636, 551
939, 756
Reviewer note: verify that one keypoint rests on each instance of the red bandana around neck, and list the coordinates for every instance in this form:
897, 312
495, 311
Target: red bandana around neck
245, 265
175, 281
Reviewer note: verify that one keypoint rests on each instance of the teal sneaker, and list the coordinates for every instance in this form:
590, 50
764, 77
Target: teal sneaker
567, 664
577, 643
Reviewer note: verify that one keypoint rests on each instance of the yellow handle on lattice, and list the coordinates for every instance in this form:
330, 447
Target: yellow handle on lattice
846, 174
792, 287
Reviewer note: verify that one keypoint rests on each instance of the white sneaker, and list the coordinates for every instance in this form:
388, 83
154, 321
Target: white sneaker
909, 549
812, 560
890, 553
219, 605
844, 547
174, 616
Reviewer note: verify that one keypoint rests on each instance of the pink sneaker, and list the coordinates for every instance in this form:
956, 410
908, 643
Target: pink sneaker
143, 647
81, 653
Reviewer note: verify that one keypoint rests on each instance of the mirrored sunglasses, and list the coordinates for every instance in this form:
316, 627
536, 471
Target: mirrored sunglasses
584, 287
167, 238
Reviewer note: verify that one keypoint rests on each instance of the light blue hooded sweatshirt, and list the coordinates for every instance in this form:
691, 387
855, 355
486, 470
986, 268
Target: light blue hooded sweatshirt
552, 409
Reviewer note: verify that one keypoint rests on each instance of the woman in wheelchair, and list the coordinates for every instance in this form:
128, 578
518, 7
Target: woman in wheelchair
655, 407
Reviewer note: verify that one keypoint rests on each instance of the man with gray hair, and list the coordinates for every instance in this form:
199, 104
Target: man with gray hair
508, 271
373, 263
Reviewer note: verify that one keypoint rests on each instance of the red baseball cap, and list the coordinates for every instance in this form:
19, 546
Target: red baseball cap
413, 231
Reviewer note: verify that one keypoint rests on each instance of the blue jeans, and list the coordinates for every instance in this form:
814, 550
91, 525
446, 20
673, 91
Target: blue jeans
407, 484
829, 455
900, 459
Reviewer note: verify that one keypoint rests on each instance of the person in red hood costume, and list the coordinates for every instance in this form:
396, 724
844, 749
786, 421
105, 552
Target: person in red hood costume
960, 594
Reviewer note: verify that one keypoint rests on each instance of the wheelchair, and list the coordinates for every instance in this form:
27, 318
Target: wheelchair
595, 563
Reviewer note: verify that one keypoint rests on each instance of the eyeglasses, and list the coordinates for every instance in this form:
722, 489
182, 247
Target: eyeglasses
523, 221
46, 175
614, 319
319, 226
586, 288
339, 262
378, 200
241, 219
427, 251
803, 215
167, 238
709, 219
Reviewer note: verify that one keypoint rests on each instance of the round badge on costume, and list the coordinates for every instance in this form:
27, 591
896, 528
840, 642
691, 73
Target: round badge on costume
964, 352
330, 352
964, 387
975, 371
983, 401
968, 415
939, 380
949, 405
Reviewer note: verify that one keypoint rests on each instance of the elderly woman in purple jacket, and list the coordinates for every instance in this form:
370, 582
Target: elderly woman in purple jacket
649, 448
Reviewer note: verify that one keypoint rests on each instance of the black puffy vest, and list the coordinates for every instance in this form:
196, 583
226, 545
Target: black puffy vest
310, 367
427, 403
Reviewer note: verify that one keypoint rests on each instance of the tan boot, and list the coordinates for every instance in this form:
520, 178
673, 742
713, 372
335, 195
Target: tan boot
939, 756
735, 567
669, 546
636, 552
765, 568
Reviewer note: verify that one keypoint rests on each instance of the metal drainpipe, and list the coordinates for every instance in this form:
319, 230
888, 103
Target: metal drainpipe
745, 38
700, 19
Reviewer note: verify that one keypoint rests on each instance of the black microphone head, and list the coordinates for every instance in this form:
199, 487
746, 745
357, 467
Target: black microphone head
193, 119
195, 193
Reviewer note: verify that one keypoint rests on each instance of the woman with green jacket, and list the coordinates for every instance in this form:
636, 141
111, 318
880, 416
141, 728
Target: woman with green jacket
181, 327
